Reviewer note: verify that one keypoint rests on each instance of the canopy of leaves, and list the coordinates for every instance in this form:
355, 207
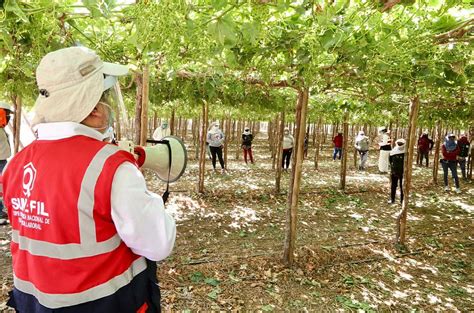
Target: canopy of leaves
247, 58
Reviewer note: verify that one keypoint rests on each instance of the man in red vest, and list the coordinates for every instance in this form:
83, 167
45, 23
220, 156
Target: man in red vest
86, 232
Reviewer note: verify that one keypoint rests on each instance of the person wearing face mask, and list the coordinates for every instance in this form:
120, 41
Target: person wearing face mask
86, 232
362, 144
215, 139
288, 143
450, 150
5, 150
247, 139
162, 131
396, 160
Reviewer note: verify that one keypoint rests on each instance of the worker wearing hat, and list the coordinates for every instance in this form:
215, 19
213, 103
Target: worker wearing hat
5, 150
84, 226
450, 150
397, 160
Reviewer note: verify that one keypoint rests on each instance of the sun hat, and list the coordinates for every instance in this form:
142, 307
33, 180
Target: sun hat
400, 141
71, 82
6, 106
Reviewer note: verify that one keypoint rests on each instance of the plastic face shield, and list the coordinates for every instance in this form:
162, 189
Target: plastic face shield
113, 97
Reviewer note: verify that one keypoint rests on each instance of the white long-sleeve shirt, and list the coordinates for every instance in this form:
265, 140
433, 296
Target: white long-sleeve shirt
138, 214
288, 141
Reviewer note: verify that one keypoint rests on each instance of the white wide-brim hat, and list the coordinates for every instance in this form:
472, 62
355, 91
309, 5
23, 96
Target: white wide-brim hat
6, 106
71, 82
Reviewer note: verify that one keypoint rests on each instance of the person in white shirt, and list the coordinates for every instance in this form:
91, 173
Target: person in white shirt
288, 143
109, 199
385, 147
162, 131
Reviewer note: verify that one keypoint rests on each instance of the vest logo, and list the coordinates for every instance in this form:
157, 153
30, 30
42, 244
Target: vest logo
29, 177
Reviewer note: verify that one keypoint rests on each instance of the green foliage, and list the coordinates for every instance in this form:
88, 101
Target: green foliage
353, 304
348, 53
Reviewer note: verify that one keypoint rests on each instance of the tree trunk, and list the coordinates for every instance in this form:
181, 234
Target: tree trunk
325, 134
439, 138
279, 152
402, 218
138, 107
172, 121
238, 140
319, 135
315, 125
17, 106
184, 129
202, 149
345, 135
144, 110
226, 141
293, 196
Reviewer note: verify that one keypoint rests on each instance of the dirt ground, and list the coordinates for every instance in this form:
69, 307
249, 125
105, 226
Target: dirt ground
230, 242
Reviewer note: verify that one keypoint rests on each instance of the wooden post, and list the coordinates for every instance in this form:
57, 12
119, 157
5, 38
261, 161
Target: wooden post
345, 134
172, 121
184, 129
325, 135
439, 138
238, 140
352, 142
144, 110
226, 141
315, 125
319, 135
273, 133
293, 196
279, 152
16, 123
202, 149
138, 107
402, 218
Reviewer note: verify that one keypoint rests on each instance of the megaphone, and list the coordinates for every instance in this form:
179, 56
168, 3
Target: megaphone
167, 158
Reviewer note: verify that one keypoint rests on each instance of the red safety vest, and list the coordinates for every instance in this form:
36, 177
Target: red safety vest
65, 247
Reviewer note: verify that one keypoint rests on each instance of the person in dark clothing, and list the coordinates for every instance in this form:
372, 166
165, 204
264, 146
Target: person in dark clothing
450, 151
464, 146
247, 138
337, 146
396, 160
425, 145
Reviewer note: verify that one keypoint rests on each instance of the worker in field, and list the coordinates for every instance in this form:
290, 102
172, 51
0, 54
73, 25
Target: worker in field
396, 160
337, 141
362, 144
5, 151
216, 139
161, 131
450, 151
247, 138
425, 144
385, 146
86, 232
288, 143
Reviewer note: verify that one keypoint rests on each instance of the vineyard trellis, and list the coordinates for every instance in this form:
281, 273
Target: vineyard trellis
355, 63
